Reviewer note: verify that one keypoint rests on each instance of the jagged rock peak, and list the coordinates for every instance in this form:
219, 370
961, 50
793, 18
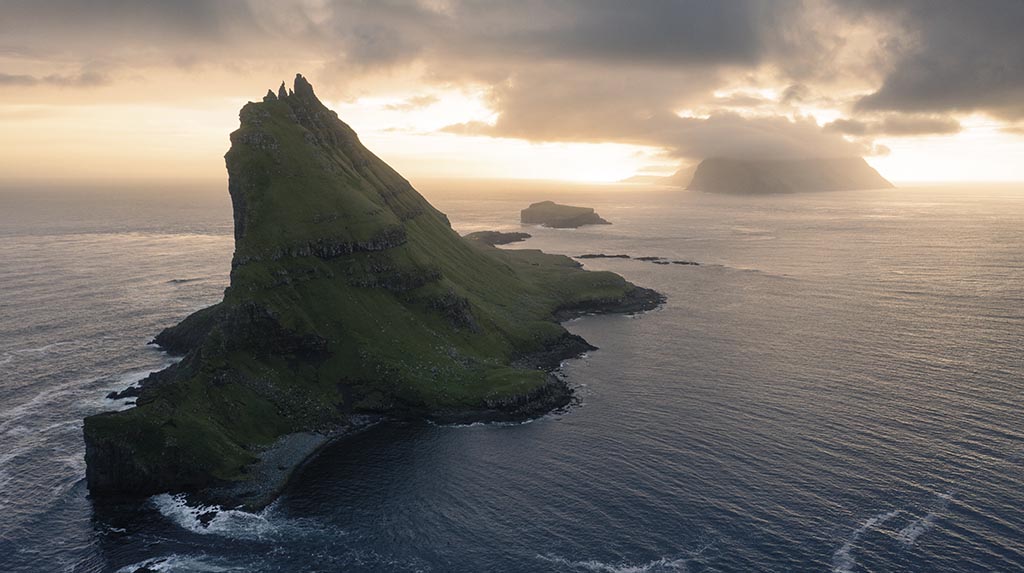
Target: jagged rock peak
303, 87
270, 96
282, 92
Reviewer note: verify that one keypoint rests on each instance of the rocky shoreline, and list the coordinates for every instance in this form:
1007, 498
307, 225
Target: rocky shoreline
278, 462
647, 259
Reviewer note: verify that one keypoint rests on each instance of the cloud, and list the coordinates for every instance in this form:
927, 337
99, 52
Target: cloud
949, 55
571, 70
723, 134
83, 79
897, 125
415, 102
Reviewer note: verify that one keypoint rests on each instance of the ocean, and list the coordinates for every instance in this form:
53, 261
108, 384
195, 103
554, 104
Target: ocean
837, 387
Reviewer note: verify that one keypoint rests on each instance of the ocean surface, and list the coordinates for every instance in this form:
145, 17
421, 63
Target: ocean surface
836, 388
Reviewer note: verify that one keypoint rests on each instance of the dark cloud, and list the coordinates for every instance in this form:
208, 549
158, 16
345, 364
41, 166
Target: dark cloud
897, 125
795, 93
583, 70
949, 55
720, 135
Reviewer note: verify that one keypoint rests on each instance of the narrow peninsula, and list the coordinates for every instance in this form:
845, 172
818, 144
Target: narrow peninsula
351, 299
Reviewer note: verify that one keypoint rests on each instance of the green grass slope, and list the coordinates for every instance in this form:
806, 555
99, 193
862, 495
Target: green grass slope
350, 294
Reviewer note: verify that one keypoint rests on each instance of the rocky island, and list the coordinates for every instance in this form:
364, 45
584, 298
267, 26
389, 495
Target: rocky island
351, 299
496, 237
786, 176
551, 214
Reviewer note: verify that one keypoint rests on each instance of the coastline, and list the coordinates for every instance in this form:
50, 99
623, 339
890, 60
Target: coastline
279, 462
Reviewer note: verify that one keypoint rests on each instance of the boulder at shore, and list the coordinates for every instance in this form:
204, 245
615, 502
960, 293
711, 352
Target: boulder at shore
351, 300
551, 214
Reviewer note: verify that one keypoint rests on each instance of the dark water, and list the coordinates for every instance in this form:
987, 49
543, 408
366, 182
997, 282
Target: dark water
837, 388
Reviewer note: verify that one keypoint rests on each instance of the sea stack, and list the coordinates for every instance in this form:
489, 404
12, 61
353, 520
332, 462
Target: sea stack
350, 298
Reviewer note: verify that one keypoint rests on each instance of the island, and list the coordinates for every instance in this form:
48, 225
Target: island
551, 214
351, 300
786, 176
496, 237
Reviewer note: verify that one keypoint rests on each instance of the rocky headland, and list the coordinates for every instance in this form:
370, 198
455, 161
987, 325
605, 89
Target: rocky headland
351, 301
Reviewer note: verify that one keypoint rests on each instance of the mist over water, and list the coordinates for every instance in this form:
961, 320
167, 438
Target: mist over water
837, 388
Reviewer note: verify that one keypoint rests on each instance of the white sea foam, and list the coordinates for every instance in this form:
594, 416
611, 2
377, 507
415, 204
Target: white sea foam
238, 524
909, 534
843, 560
133, 377
492, 424
179, 563
43, 349
657, 566
227, 522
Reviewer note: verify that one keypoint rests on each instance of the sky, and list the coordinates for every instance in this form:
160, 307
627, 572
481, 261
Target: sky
580, 90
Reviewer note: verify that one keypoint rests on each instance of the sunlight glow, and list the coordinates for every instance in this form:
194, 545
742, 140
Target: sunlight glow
981, 152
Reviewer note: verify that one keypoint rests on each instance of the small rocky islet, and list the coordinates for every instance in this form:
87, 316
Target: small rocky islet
351, 300
557, 216
493, 238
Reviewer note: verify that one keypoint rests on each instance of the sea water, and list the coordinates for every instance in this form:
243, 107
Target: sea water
836, 387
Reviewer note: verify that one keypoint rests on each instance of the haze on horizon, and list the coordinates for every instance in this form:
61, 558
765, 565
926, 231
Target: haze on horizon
581, 90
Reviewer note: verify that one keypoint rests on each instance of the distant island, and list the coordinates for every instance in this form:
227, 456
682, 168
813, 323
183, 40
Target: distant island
551, 214
351, 300
497, 237
785, 176
680, 178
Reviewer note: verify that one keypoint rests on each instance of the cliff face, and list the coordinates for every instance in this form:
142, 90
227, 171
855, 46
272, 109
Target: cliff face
350, 295
786, 176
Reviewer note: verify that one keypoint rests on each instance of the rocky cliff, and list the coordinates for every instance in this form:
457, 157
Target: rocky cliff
350, 297
785, 176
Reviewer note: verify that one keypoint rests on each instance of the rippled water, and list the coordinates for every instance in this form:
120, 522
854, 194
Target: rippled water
836, 388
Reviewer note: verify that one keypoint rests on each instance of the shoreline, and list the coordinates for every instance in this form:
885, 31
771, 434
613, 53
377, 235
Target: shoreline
280, 461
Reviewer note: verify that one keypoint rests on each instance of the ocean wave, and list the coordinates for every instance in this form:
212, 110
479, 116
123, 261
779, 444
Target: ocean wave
10, 356
179, 563
909, 534
491, 424
657, 566
46, 348
843, 560
212, 519
131, 378
238, 524
82, 392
